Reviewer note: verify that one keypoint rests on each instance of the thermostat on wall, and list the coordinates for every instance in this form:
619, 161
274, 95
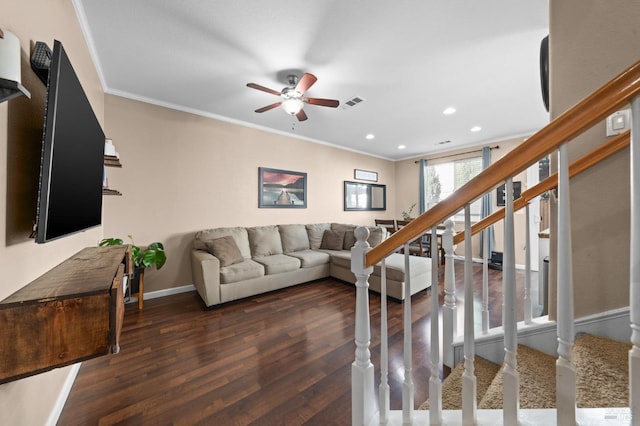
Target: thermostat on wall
618, 122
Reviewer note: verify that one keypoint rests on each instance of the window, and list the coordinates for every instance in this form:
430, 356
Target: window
444, 179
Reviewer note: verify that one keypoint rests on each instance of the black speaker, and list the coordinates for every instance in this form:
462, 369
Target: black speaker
544, 71
41, 61
496, 260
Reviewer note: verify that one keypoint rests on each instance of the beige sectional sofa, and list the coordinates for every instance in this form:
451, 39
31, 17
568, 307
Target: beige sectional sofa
232, 263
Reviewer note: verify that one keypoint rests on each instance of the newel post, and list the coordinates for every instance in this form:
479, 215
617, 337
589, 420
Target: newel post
362, 391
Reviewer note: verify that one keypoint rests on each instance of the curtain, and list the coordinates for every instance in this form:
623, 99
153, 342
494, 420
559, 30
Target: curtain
486, 207
422, 197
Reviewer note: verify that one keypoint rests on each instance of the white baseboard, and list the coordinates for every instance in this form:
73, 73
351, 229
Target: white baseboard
542, 334
164, 292
64, 394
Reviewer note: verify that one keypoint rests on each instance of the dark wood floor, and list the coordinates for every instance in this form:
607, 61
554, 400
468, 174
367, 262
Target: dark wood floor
282, 358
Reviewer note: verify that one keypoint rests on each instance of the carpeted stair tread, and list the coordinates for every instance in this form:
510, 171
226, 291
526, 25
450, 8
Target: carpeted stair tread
602, 367
537, 381
452, 396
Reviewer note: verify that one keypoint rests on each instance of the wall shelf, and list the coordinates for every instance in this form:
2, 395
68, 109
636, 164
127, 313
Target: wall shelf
109, 191
111, 161
10, 89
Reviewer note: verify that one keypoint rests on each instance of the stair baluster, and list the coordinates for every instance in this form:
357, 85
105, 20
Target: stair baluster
634, 353
510, 376
384, 392
528, 303
469, 387
407, 384
435, 385
565, 368
449, 310
485, 281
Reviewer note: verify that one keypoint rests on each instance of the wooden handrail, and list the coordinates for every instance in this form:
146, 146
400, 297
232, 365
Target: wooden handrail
576, 120
583, 163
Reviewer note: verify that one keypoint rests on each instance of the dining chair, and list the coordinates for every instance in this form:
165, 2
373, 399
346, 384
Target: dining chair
419, 246
390, 224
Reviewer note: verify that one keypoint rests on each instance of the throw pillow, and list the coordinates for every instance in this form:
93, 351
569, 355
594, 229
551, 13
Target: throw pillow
264, 240
226, 250
332, 240
349, 238
315, 231
294, 238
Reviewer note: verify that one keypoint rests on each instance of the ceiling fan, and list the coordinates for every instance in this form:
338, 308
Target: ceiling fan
293, 96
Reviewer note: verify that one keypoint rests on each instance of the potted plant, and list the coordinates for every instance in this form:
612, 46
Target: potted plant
406, 215
152, 255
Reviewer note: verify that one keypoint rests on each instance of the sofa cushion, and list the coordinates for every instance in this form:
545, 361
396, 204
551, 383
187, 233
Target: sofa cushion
241, 272
315, 231
311, 258
293, 237
349, 238
226, 250
278, 263
239, 234
264, 241
395, 266
341, 258
332, 240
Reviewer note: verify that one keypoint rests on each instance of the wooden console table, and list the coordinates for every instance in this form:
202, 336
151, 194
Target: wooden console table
72, 313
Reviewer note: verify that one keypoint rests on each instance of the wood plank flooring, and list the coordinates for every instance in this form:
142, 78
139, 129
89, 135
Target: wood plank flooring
282, 358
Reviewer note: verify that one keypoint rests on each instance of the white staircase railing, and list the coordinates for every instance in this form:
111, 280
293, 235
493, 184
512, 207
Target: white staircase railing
625, 88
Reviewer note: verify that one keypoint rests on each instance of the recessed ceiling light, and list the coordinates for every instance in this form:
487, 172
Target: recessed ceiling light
449, 111
370, 136
402, 146
476, 128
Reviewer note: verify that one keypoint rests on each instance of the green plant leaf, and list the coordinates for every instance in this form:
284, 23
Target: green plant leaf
110, 242
153, 255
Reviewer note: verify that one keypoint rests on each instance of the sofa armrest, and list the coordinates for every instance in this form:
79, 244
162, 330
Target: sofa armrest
206, 276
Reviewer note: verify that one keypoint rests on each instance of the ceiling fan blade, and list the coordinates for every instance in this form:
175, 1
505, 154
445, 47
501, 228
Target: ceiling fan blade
268, 107
264, 89
306, 81
322, 102
301, 115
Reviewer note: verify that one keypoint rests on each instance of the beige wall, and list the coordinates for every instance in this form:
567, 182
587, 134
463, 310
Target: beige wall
30, 401
407, 178
182, 173
590, 43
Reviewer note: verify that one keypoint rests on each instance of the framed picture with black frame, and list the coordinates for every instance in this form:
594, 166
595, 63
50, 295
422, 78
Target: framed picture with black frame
281, 189
364, 196
365, 175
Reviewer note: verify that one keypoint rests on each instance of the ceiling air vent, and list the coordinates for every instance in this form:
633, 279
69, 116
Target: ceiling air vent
351, 102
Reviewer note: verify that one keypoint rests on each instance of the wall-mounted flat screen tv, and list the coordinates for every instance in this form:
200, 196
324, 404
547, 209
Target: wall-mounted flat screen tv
72, 162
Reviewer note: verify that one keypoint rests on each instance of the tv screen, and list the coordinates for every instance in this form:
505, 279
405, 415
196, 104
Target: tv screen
72, 162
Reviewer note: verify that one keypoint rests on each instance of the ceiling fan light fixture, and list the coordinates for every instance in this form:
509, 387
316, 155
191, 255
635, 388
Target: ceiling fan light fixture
292, 105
